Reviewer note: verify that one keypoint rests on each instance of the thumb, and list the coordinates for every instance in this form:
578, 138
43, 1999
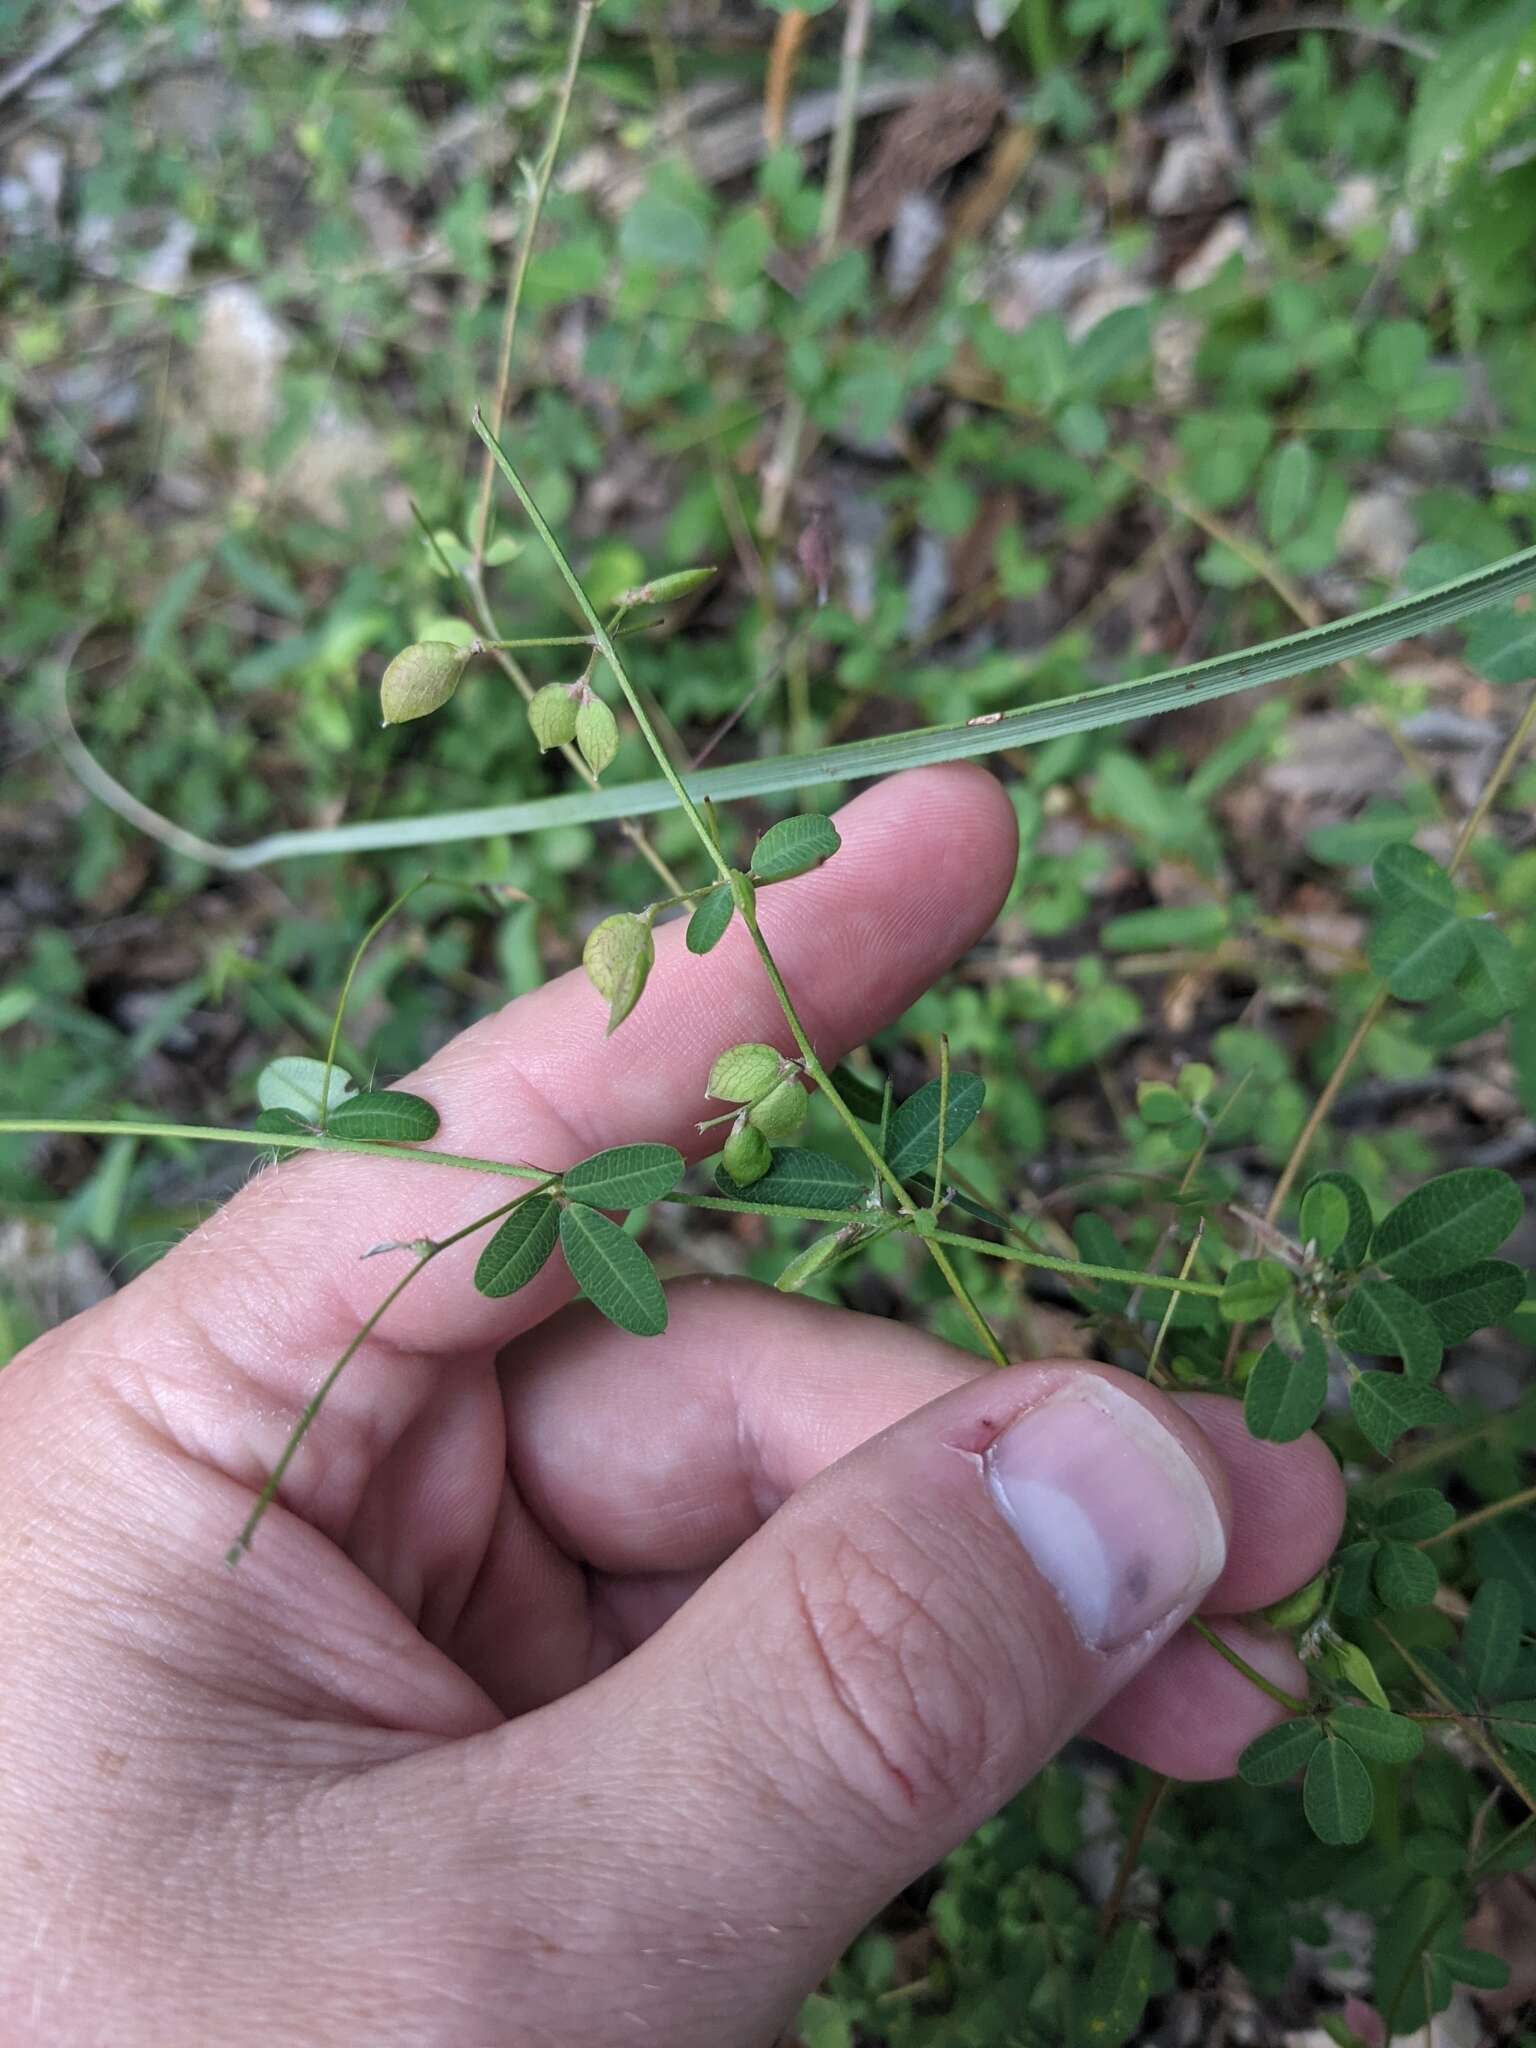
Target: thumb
883, 1665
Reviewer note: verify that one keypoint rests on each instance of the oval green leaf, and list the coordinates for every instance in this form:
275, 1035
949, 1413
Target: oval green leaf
707, 926
1404, 1576
1386, 1406
1490, 1642
1460, 1304
793, 847
1384, 1321
1356, 1241
384, 1116
1284, 1396
1325, 1217
518, 1250
1279, 1753
1254, 1289
912, 1143
1383, 1738
612, 1271
1117, 1992
286, 1122
625, 1176
1448, 1222
298, 1083
800, 1179
1336, 1795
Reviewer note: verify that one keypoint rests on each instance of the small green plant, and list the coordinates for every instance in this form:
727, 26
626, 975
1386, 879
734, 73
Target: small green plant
1406, 1776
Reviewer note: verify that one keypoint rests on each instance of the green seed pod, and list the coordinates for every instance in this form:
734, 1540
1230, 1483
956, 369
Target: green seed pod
662, 589
597, 734
813, 1260
552, 716
421, 679
782, 1110
1297, 1608
747, 1155
744, 1073
618, 957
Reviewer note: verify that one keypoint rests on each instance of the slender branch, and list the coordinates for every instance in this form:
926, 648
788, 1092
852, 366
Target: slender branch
346, 988
1225, 1650
579, 27
1170, 1282
938, 1164
1130, 1856
316, 1401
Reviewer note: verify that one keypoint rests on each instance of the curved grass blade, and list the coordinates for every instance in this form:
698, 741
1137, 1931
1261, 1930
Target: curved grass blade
1294, 654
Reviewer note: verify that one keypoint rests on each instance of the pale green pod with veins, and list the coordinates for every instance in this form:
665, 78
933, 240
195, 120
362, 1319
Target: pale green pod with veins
421, 679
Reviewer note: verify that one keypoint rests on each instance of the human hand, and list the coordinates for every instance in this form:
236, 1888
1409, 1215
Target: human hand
581, 1689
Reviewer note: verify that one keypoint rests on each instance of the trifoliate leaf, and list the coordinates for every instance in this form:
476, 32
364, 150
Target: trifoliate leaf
793, 847
912, 1143
618, 957
420, 680
296, 1082
746, 1157
384, 1115
1336, 1795
552, 716
744, 1072
625, 1176
782, 1110
1447, 1223
612, 1271
518, 1250
1383, 1320
597, 734
1284, 1396
707, 926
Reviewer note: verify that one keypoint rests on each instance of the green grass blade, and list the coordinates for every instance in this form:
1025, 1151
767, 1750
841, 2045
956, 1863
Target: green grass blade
1087, 710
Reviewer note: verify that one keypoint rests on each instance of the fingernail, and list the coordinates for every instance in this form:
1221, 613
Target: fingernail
1113, 1512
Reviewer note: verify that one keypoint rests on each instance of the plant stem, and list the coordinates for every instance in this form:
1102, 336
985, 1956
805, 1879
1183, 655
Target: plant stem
316, 1401
780, 469
1225, 1650
579, 27
1146, 1812
346, 988
746, 909
1170, 1282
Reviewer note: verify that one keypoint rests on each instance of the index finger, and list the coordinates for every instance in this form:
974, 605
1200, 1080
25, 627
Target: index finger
925, 862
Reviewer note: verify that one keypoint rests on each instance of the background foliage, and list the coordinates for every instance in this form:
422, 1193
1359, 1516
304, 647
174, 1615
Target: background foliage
1148, 331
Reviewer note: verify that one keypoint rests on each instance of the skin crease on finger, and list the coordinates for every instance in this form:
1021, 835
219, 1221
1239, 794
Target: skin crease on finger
443, 1534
